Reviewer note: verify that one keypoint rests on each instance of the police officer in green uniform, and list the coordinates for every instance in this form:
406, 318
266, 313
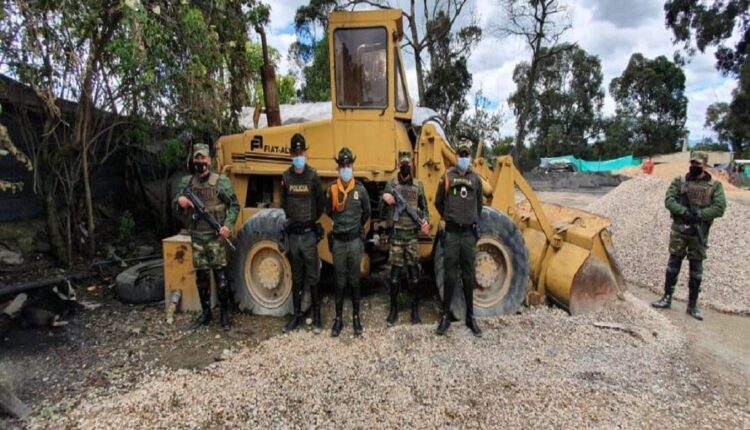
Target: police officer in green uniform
209, 252
303, 202
459, 202
404, 249
693, 201
348, 206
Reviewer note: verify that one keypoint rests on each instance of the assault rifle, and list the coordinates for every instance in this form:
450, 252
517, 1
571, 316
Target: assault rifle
199, 211
696, 225
402, 206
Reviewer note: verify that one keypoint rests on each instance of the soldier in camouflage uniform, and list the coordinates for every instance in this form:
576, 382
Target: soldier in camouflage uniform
348, 206
303, 202
693, 201
209, 253
404, 250
459, 201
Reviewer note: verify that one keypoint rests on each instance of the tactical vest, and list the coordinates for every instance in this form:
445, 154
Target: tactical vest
349, 219
461, 197
410, 193
300, 197
208, 191
699, 193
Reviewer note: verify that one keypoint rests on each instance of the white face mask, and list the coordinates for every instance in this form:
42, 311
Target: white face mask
346, 174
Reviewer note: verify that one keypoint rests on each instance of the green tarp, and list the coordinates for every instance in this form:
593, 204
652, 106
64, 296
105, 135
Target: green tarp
594, 166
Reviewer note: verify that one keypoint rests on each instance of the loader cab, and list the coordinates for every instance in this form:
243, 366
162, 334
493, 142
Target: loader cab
369, 96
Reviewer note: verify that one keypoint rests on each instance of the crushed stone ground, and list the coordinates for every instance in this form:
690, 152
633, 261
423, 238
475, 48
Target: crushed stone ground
540, 369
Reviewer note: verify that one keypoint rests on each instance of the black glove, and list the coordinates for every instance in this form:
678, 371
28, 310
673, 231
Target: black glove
319, 232
691, 216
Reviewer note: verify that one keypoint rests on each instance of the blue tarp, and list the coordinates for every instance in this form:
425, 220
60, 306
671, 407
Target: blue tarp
594, 166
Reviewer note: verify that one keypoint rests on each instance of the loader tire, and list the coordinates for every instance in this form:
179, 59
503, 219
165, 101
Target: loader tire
261, 271
501, 268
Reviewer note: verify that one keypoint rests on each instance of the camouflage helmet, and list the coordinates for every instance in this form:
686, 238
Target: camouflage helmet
699, 156
201, 149
345, 156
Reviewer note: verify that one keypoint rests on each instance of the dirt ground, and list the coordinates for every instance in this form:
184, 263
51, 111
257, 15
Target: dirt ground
111, 350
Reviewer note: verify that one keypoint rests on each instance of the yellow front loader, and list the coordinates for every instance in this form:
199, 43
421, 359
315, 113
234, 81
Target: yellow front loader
528, 252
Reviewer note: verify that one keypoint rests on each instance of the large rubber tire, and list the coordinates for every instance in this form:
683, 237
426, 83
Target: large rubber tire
261, 237
142, 283
501, 238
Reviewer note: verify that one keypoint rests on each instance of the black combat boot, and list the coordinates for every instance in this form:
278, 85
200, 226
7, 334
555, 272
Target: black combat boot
203, 282
413, 293
694, 286
356, 322
666, 300
225, 297
338, 323
445, 319
395, 283
471, 322
296, 320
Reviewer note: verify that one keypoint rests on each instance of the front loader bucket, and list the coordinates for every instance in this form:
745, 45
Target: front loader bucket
575, 267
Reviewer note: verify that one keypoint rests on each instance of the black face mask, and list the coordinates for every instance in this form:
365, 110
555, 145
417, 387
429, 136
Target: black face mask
200, 168
696, 171
405, 170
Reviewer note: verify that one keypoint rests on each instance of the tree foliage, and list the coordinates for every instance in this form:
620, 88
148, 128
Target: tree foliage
540, 24
186, 65
448, 82
724, 24
566, 102
651, 103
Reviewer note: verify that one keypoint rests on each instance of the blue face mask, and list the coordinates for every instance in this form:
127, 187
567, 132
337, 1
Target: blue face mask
346, 174
463, 163
298, 162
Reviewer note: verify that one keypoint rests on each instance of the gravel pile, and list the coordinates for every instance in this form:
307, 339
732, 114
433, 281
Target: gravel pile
641, 226
542, 369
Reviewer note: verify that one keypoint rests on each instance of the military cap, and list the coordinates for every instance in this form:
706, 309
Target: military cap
200, 149
699, 156
345, 156
464, 148
297, 143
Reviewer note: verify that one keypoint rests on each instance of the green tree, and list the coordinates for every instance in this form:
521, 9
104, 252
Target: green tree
651, 93
567, 99
449, 80
481, 124
540, 24
722, 24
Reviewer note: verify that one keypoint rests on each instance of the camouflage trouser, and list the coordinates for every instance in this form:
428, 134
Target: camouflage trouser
404, 253
208, 252
682, 245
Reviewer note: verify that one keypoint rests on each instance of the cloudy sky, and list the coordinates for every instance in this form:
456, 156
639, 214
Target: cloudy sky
611, 29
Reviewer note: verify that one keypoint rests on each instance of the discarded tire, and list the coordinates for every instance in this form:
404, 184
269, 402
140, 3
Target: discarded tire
142, 283
502, 268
